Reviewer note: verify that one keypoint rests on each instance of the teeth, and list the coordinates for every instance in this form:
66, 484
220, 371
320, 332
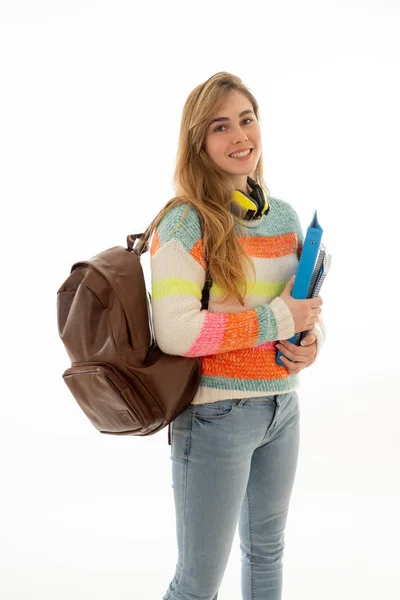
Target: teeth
240, 154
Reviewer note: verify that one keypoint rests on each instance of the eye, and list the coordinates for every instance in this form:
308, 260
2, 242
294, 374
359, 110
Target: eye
248, 119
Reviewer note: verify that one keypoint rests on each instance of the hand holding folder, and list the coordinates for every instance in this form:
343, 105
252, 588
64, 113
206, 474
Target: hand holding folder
313, 266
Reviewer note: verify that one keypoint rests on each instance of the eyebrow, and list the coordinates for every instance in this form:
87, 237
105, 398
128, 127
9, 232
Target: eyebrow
244, 112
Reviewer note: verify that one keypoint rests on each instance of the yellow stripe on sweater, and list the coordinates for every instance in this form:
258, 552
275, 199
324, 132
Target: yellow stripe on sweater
261, 288
170, 286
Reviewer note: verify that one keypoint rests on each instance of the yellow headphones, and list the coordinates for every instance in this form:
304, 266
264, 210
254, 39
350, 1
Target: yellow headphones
250, 207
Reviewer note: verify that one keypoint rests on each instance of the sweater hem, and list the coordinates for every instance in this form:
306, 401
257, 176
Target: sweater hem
264, 388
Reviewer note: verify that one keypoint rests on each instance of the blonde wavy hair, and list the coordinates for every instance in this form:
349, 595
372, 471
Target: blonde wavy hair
200, 183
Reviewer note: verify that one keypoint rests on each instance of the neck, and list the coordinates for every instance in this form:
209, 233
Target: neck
240, 183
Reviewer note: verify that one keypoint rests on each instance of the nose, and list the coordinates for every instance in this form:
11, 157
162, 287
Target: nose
239, 135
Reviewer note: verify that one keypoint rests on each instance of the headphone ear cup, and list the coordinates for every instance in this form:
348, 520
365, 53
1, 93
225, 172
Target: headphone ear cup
248, 205
260, 197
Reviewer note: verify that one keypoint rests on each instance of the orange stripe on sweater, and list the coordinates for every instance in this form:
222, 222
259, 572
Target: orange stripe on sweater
244, 364
239, 333
197, 253
299, 250
155, 244
270, 246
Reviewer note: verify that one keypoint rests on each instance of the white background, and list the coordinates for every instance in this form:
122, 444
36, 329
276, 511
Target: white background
90, 107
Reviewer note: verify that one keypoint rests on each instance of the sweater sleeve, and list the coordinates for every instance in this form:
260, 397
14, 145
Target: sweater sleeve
319, 328
178, 272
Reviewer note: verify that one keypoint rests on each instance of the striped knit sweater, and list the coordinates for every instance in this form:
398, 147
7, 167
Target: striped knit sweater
236, 344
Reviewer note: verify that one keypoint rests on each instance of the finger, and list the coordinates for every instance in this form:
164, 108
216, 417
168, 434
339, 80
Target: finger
300, 355
308, 339
297, 351
311, 323
295, 367
293, 370
287, 344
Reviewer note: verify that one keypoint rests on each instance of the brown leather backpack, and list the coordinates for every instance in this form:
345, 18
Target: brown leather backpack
120, 378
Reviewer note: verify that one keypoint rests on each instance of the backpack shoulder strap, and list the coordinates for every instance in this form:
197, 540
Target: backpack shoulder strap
206, 292
205, 296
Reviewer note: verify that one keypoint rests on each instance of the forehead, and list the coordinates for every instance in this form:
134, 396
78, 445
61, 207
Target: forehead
234, 101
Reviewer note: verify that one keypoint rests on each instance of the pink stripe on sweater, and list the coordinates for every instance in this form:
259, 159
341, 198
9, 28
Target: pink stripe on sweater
266, 346
211, 335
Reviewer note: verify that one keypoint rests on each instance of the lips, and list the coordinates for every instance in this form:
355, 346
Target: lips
244, 158
239, 151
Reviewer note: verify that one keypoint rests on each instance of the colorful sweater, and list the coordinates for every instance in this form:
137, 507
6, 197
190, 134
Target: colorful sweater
236, 344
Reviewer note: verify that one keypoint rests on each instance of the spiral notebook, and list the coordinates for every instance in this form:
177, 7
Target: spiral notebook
313, 267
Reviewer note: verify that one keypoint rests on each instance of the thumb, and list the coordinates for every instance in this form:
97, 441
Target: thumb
309, 339
290, 283
287, 290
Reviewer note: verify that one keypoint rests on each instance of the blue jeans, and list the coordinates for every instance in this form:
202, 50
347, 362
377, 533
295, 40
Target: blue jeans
233, 462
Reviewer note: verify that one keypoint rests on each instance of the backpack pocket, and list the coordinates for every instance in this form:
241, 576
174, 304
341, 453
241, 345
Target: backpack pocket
109, 401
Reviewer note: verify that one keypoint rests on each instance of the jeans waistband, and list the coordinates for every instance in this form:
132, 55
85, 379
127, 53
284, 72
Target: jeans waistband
258, 400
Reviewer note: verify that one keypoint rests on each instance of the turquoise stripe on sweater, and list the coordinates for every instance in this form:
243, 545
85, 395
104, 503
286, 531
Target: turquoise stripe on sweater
189, 233
250, 385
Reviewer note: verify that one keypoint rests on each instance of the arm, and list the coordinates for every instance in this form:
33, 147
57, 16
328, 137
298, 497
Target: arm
178, 275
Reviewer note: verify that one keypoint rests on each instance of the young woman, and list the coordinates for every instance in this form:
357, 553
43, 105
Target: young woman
234, 449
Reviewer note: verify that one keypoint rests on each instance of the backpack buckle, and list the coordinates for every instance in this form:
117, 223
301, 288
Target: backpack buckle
134, 237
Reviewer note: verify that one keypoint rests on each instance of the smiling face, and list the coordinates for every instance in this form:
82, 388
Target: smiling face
230, 131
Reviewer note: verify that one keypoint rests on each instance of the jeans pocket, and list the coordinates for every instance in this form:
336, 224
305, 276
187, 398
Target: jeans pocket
213, 410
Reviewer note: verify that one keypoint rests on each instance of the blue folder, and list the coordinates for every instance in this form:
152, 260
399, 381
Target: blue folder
313, 266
